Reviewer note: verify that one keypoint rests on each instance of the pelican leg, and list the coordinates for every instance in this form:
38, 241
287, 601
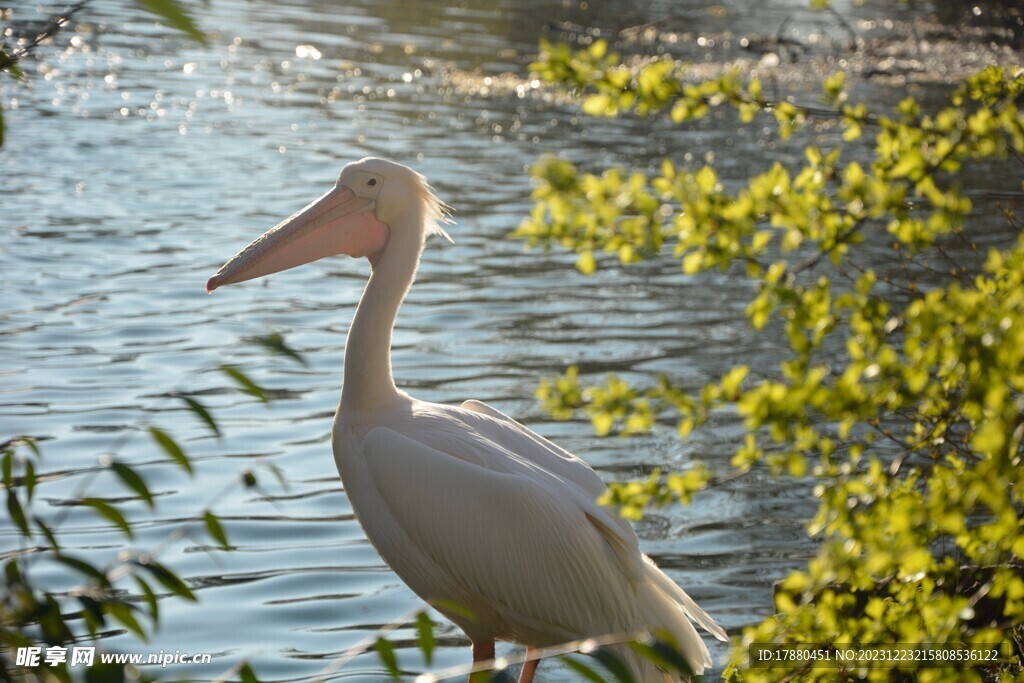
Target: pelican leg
482, 652
529, 666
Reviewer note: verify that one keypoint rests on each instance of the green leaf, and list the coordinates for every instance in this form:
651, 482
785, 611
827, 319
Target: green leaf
989, 438
171, 447
92, 611
579, 667
50, 536
29, 480
247, 675
123, 613
9, 64
8, 469
133, 480
452, 607
150, 597
664, 655
110, 513
833, 86
17, 513
386, 652
174, 14
425, 635
692, 262
84, 568
731, 381
276, 344
200, 411
586, 263
51, 619
682, 110
12, 572
598, 105
614, 665
278, 474
214, 528
166, 577
248, 386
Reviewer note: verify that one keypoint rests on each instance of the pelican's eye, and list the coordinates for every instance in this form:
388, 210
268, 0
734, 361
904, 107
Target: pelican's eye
372, 182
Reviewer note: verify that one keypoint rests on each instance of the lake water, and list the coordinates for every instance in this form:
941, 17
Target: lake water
136, 162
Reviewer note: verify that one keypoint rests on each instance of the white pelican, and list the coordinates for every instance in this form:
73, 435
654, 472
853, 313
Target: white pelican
492, 524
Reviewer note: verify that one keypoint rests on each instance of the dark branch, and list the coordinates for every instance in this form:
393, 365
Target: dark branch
52, 28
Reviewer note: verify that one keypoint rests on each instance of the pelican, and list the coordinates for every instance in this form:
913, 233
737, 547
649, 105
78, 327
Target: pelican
487, 521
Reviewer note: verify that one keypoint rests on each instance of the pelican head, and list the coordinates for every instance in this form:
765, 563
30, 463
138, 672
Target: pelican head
372, 199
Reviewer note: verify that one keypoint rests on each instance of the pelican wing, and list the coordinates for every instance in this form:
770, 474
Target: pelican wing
478, 433
521, 541
500, 428
532, 446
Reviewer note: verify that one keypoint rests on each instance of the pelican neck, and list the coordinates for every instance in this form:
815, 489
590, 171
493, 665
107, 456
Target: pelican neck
368, 381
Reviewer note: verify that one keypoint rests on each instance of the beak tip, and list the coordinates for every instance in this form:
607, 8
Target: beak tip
212, 284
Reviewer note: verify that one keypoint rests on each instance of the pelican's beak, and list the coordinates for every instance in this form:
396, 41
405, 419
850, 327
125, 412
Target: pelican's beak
340, 222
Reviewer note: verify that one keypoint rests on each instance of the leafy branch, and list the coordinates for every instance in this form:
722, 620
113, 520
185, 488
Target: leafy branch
29, 612
903, 403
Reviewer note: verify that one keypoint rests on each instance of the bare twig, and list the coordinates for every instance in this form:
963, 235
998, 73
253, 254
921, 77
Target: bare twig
855, 40
52, 28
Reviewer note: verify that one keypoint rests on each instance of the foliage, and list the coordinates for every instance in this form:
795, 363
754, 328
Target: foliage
902, 397
31, 614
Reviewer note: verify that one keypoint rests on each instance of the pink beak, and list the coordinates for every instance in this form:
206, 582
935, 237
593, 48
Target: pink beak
339, 222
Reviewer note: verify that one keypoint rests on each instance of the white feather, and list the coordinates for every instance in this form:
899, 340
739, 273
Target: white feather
475, 510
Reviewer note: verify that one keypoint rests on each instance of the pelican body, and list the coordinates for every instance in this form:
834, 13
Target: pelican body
487, 521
